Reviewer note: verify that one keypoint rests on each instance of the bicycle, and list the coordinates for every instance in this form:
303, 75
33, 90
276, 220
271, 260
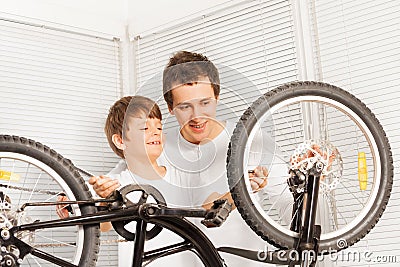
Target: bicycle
321, 170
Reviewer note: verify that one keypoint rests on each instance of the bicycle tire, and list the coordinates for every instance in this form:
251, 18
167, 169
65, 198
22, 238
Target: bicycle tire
335, 101
53, 173
199, 242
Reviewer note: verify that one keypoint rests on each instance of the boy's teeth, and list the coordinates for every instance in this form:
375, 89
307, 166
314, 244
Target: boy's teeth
198, 126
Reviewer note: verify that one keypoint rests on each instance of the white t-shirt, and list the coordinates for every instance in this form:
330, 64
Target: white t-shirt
175, 197
202, 169
199, 168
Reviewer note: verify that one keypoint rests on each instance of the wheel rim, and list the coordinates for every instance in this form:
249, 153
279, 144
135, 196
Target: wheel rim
66, 242
278, 115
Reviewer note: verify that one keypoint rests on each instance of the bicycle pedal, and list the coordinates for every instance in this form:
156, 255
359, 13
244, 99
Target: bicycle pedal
217, 214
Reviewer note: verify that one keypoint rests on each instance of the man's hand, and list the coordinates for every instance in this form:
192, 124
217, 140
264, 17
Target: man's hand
258, 178
103, 185
310, 154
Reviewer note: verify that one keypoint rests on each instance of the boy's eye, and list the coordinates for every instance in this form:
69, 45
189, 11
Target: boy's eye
144, 129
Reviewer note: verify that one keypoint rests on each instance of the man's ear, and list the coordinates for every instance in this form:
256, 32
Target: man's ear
171, 111
118, 142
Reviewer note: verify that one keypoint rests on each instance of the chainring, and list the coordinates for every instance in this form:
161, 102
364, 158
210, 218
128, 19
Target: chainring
123, 228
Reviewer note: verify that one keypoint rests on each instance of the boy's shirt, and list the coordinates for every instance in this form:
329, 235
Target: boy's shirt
174, 196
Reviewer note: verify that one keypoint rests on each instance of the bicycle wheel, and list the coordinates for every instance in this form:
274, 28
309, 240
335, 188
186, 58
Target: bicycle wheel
32, 172
287, 118
193, 240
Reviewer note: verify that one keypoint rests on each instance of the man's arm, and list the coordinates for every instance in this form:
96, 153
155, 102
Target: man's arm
258, 180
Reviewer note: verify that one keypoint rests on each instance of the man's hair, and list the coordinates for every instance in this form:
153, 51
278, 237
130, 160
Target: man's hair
186, 68
128, 106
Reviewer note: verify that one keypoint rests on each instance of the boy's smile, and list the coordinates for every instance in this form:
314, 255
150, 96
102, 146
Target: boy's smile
144, 138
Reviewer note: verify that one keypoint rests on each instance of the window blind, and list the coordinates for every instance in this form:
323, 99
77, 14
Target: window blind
357, 48
56, 87
251, 43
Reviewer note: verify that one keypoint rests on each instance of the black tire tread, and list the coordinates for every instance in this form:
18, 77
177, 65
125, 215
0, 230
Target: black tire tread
246, 210
50, 157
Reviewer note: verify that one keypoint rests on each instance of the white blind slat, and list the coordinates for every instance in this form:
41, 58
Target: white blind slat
56, 87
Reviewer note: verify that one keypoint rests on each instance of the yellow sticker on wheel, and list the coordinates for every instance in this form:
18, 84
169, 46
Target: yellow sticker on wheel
9, 176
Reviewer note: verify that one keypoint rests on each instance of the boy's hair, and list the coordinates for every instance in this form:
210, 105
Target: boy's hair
186, 68
129, 106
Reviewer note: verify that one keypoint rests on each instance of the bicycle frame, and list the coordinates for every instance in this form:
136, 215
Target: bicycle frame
172, 219
304, 212
309, 233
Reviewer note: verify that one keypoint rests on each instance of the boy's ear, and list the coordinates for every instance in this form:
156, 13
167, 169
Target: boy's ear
118, 142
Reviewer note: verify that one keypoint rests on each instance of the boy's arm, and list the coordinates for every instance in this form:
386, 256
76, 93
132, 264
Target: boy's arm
209, 202
103, 185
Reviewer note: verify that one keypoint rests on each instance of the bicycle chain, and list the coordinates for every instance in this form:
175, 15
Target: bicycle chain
102, 242
47, 192
30, 190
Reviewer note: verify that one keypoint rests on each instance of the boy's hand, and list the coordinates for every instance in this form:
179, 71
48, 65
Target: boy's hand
62, 210
258, 178
103, 185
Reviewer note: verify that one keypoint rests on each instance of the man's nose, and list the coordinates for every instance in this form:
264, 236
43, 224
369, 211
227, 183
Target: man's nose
197, 111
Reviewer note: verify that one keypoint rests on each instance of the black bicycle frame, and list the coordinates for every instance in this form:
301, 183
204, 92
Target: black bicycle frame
305, 207
172, 219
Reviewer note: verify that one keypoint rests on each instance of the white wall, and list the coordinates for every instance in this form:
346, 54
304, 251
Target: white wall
146, 15
107, 16
102, 16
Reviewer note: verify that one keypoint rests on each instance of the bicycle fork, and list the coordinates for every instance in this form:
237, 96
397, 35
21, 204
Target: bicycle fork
305, 210
310, 233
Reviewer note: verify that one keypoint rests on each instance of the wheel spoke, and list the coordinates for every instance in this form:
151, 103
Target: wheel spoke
39, 174
341, 127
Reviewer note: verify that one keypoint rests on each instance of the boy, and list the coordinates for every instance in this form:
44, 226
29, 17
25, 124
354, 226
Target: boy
134, 132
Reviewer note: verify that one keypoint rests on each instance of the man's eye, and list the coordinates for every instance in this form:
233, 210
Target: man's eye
183, 107
205, 103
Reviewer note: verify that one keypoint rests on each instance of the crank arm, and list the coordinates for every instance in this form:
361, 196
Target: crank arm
153, 210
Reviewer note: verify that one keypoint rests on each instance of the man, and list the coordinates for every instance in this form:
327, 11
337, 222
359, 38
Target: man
191, 88
196, 151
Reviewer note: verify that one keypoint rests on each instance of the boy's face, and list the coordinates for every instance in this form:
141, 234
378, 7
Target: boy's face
144, 139
194, 107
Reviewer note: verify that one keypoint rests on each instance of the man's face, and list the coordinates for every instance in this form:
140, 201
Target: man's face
194, 107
